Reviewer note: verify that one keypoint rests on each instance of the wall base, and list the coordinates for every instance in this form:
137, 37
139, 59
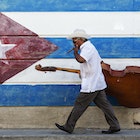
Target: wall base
46, 117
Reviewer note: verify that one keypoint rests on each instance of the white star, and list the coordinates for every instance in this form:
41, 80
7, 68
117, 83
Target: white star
3, 49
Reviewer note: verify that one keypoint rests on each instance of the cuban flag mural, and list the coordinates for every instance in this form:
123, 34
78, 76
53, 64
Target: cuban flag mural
34, 32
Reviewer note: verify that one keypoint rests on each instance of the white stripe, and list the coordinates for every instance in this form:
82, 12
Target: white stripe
97, 24
30, 76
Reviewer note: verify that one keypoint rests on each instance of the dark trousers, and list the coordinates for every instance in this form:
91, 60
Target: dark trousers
83, 101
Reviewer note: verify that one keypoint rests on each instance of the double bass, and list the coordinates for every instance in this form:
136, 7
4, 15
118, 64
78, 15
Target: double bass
124, 85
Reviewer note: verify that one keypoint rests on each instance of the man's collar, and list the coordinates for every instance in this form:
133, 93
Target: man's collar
84, 44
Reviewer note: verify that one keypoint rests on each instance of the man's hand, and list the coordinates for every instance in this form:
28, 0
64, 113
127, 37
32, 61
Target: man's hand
76, 49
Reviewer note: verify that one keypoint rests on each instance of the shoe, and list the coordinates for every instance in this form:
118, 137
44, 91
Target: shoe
62, 128
111, 131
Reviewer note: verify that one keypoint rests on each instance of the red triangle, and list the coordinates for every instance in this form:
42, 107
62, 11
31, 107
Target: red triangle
29, 47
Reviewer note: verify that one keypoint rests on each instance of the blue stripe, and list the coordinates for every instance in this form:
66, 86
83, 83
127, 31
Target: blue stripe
107, 47
69, 5
40, 95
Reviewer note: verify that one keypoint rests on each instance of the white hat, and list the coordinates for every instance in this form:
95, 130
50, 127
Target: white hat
79, 33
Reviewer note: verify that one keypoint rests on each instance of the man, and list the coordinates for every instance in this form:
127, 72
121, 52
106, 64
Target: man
92, 85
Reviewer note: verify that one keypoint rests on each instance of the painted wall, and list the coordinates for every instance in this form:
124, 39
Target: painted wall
38, 29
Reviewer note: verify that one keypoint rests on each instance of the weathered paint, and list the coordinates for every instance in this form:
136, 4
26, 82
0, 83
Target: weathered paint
113, 25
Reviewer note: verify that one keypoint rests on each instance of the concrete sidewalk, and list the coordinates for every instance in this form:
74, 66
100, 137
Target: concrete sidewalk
55, 134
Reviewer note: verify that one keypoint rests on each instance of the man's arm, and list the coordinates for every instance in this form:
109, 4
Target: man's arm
79, 58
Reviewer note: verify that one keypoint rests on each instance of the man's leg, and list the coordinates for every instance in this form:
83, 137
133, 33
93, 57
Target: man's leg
102, 102
81, 104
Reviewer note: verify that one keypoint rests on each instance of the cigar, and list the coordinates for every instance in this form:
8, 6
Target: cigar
70, 50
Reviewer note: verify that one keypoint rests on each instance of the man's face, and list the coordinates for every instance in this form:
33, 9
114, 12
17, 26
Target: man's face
77, 42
